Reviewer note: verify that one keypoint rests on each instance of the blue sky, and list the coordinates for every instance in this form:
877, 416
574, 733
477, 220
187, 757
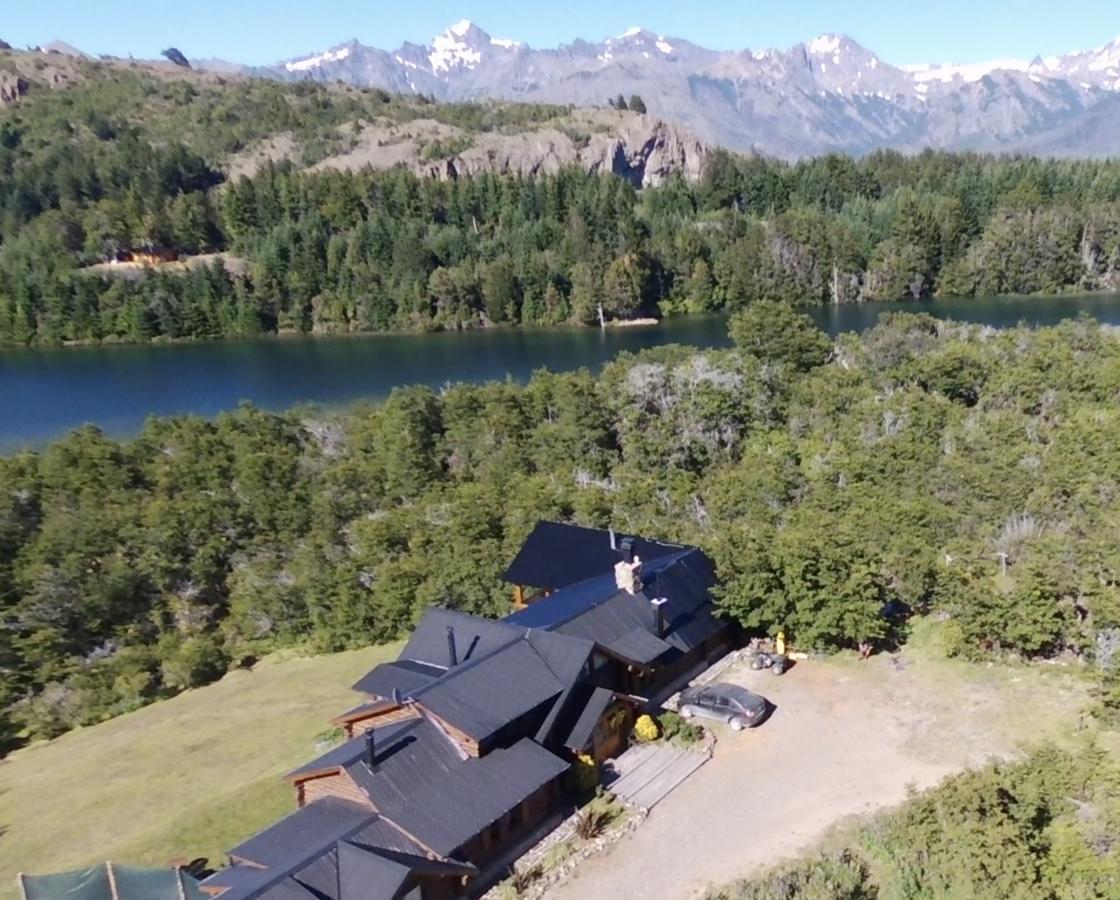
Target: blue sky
260, 31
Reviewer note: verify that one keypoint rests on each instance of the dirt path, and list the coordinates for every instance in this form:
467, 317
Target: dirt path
846, 739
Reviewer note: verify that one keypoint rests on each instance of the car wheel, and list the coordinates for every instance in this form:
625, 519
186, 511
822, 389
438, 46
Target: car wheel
777, 669
687, 712
737, 724
756, 665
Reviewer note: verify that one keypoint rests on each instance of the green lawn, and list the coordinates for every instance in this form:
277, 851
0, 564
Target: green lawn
190, 776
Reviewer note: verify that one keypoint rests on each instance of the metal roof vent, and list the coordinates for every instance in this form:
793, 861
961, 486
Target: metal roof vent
657, 603
452, 653
371, 750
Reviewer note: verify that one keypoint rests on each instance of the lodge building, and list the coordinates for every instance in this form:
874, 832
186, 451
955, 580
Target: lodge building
454, 759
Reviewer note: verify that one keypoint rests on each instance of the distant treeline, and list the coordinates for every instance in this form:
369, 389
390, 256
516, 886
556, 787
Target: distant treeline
961, 473
82, 182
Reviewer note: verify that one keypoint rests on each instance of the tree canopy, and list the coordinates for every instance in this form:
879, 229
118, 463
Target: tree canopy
939, 467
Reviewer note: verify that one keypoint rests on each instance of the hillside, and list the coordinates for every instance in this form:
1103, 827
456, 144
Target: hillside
185, 778
345, 127
355, 210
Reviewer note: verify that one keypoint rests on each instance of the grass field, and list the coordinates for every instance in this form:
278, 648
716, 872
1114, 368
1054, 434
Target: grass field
187, 777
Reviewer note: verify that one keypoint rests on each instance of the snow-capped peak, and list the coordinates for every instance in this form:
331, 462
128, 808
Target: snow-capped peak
825, 44
462, 46
947, 72
632, 33
313, 62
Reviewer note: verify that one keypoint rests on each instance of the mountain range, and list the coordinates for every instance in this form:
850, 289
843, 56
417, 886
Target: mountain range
827, 94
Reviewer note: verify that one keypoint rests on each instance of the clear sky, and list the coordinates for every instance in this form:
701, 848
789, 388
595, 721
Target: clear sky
263, 31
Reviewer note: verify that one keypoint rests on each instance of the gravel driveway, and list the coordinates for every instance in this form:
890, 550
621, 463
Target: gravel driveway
846, 738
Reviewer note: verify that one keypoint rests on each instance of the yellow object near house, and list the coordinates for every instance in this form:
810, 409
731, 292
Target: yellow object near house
645, 729
780, 643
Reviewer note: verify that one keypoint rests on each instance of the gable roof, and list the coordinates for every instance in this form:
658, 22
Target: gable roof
329, 849
556, 555
425, 788
446, 812
504, 673
629, 625
410, 749
597, 704
348, 870
404, 675
474, 637
300, 837
483, 696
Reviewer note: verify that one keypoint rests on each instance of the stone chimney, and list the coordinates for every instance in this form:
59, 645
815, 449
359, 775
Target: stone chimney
628, 575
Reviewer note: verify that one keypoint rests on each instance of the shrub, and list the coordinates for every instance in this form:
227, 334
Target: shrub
193, 663
645, 729
583, 777
522, 879
840, 877
593, 822
673, 727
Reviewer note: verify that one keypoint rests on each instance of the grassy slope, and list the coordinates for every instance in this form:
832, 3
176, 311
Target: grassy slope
190, 776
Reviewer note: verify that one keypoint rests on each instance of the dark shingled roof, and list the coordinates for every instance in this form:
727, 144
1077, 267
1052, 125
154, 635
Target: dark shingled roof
575, 600
369, 873
348, 870
597, 704
305, 834
474, 637
483, 696
564, 654
447, 810
557, 555
299, 855
285, 889
358, 869
627, 624
411, 749
405, 675
320, 850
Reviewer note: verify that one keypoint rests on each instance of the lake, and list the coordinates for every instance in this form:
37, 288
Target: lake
44, 392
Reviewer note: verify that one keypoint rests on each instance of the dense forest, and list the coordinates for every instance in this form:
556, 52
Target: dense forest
126, 161
1042, 829
963, 472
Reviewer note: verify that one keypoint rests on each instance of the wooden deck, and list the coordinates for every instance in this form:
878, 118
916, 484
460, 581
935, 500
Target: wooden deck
646, 773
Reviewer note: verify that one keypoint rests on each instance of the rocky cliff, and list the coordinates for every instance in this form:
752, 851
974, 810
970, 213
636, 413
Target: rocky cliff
642, 149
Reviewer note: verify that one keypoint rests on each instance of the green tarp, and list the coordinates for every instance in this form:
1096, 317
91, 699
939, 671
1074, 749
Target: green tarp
112, 882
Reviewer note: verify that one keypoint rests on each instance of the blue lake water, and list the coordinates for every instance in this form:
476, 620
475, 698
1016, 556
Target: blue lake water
45, 392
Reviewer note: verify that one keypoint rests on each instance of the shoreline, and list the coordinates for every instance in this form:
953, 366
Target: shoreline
903, 305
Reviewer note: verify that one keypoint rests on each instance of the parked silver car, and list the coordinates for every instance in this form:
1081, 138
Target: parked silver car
729, 703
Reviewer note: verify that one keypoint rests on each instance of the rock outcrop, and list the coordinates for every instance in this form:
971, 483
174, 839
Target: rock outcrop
642, 149
12, 87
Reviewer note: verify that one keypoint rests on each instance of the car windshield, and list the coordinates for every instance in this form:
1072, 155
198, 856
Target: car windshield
738, 695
